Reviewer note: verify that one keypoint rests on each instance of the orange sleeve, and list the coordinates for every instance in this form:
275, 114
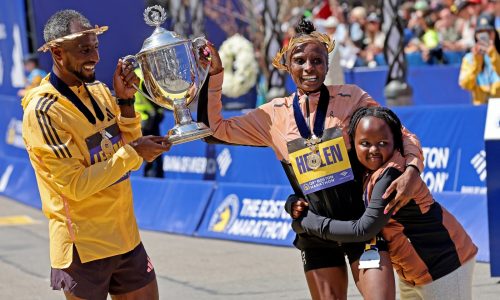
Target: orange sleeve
252, 129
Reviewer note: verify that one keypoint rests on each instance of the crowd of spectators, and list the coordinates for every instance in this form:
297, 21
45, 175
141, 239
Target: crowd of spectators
435, 31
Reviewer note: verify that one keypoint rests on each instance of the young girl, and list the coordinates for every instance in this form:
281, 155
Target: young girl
429, 249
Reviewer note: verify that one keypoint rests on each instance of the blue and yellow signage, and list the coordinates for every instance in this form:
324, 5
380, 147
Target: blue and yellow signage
335, 166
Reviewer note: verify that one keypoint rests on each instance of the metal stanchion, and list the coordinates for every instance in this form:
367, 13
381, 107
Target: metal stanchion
397, 91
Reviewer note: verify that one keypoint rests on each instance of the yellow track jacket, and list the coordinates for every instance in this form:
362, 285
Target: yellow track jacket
480, 74
86, 194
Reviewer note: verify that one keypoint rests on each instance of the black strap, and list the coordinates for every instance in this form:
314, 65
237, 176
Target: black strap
319, 121
64, 89
96, 107
292, 179
202, 113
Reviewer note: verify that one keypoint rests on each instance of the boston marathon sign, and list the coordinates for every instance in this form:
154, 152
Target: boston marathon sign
249, 219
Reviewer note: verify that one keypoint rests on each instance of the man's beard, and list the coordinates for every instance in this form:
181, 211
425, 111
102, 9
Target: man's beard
83, 78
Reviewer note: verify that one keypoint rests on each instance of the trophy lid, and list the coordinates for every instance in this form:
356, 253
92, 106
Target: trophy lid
155, 16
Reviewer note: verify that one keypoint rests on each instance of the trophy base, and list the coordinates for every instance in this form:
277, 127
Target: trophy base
188, 132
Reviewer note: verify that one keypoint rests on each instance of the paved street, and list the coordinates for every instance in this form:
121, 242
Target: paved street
187, 267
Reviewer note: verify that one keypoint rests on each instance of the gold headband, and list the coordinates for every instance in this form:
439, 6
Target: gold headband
316, 36
97, 30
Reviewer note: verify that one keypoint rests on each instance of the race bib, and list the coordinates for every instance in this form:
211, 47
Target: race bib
333, 168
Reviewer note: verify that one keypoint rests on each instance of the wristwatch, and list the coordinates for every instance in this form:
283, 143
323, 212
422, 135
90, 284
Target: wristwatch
127, 102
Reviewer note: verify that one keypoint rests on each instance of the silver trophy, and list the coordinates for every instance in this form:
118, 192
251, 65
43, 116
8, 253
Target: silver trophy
172, 74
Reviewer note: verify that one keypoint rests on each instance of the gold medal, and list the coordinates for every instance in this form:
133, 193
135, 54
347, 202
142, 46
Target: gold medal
313, 160
106, 145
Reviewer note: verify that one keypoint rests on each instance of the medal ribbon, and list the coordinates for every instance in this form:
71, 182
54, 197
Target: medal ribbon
64, 89
319, 120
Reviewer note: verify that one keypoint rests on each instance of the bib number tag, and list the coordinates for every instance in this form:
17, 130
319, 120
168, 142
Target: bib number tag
321, 165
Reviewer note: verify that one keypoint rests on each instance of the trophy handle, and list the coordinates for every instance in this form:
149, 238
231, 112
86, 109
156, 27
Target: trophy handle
199, 43
133, 59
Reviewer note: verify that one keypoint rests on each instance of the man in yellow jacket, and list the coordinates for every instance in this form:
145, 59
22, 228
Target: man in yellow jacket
83, 143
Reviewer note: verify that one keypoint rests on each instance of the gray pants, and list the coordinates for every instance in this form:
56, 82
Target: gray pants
457, 286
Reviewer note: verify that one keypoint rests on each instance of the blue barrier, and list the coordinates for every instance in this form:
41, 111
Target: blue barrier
174, 206
470, 210
11, 119
253, 213
192, 161
18, 181
223, 163
248, 213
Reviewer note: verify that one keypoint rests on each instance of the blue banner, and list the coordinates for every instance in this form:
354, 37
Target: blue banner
453, 146
194, 160
249, 213
13, 46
